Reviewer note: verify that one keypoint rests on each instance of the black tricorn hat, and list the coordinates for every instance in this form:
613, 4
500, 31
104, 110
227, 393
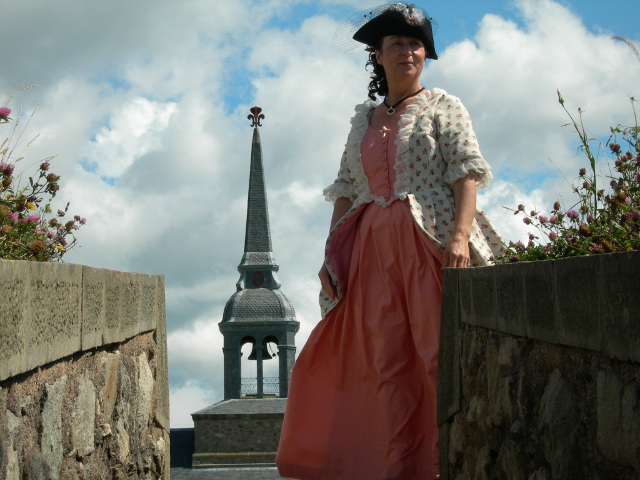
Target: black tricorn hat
399, 19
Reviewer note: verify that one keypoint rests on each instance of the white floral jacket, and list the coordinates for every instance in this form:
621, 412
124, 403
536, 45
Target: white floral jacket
436, 146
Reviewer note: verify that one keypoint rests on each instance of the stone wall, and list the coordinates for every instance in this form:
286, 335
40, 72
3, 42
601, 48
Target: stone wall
238, 431
83, 377
540, 370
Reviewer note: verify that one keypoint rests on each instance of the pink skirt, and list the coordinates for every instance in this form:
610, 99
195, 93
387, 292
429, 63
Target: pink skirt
362, 399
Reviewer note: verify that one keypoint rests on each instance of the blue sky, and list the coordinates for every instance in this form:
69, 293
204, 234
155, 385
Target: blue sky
145, 104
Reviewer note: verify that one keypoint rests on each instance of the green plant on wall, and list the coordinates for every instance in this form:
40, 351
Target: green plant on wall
29, 229
605, 217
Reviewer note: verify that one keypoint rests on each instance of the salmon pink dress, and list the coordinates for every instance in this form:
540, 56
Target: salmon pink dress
362, 399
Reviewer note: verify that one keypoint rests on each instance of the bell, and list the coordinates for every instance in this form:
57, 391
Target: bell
265, 354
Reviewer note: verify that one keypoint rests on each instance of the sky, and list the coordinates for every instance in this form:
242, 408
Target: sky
145, 106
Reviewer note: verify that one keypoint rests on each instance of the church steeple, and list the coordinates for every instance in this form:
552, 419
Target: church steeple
257, 267
258, 313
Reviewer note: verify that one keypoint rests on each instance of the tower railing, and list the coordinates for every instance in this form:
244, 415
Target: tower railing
270, 386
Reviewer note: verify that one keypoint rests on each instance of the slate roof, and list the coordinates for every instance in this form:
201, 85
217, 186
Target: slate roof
245, 406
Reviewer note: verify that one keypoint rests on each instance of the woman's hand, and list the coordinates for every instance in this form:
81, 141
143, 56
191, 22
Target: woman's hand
456, 253
327, 284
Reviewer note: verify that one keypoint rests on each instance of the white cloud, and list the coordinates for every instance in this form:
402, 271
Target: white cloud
136, 130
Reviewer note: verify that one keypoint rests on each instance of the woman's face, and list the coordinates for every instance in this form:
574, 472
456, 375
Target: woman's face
401, 56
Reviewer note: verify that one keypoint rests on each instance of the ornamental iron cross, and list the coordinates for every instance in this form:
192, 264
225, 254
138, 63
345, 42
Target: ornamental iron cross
255, 117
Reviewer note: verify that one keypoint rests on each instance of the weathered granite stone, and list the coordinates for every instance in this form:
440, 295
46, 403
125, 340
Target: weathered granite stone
619, 418
37, 468
109, 391
84, 418
541, 473
144, 394
12, 471
52, 427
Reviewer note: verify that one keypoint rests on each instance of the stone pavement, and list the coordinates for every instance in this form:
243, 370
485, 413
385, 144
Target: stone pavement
231, 473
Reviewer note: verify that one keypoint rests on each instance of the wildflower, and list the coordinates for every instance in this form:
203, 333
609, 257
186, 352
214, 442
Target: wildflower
37, 245
14, 216
527, 220
596, 248
521, 208
4, 113
52, 177
554, 219
44, 166
615, 148
30, 206
32, 219
585, 230
543, 219
572, 214
7, 169
556, 206
582, 172
60, 248
638, 176
590, 218
553, 235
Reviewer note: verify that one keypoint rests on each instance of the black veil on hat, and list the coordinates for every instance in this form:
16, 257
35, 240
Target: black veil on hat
397, 19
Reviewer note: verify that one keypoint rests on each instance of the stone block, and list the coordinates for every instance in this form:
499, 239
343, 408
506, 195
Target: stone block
162, 364
54, 306
93, 306
539, 300
510, 299
464, 296
122, 306
619, 296
578, 317
483, 295
14, 321
448, 390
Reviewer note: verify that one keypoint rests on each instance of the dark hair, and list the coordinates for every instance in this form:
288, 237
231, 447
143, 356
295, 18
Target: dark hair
378, 84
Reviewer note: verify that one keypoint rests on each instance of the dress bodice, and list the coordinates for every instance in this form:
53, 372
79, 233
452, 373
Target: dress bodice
378, 152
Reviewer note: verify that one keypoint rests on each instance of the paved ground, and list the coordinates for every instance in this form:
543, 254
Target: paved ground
235, 473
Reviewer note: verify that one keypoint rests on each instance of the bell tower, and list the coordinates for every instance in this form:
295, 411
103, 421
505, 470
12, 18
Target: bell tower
258, 312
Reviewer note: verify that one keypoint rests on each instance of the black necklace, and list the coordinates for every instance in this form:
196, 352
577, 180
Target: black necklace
392, 109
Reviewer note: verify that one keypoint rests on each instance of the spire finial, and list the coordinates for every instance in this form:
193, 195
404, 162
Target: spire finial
255, 117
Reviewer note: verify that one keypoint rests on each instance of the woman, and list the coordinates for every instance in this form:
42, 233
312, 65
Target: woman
362, 400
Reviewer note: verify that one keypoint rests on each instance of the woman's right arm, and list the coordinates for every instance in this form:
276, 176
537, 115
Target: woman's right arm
340, 208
